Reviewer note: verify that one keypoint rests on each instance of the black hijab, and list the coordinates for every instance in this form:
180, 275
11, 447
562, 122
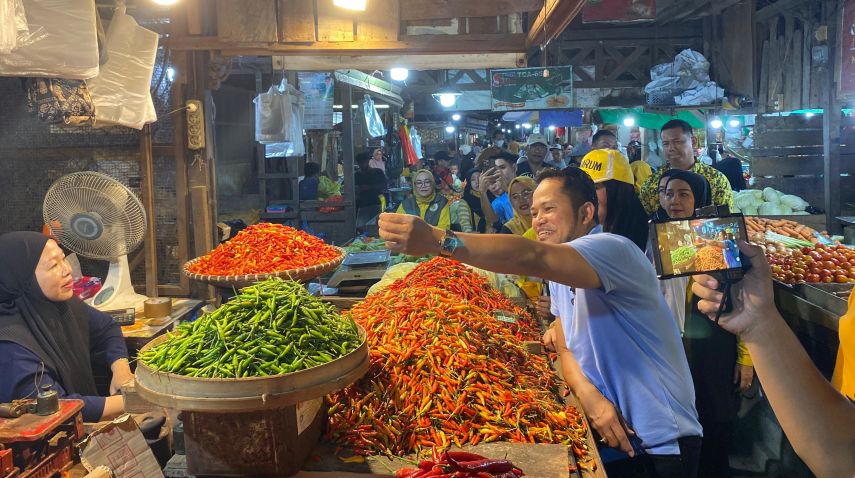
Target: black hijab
57, 332
474, 201
699, 185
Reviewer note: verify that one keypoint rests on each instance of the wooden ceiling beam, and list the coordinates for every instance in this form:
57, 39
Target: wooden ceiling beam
438, 9
418, 45
552, 19
416, 62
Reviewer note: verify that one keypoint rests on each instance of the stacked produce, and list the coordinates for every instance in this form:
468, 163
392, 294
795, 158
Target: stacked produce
761, 230
819, 264
444, 371
683, 254
265, 248
768, 202
270, 328
710, 258
365, 244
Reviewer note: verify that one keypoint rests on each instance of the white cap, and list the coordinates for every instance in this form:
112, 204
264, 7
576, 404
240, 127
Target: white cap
465, 149
537, 138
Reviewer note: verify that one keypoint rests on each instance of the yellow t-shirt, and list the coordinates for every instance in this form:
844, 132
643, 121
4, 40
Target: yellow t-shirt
844, 370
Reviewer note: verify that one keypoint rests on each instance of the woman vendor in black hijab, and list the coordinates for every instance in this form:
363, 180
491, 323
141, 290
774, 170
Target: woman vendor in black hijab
47, 335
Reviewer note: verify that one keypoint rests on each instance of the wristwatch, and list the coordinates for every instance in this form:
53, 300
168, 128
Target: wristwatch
449, 243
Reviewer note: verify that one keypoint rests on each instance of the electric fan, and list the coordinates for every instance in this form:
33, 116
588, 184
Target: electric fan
102, 219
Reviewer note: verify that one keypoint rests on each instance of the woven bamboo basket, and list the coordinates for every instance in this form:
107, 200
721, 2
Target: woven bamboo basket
303, 275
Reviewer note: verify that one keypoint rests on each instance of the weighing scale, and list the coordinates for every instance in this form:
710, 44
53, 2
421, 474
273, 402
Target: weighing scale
359, 271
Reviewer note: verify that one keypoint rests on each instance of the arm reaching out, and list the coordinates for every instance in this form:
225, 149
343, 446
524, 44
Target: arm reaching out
818, 420
509, 254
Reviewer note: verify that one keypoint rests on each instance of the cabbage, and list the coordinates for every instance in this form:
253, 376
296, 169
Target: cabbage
769, 209
794, 202
750, 211
770, 195
785, 210
758, 194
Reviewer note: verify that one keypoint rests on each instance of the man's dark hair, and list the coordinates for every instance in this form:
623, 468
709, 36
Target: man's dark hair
441, 156
576, 184
362, 158
625, 216
497, 132
451, 146
311, 169
600, 133
507, 156
678, 123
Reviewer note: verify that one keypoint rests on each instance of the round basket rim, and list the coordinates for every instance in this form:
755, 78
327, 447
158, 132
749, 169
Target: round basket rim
304, 273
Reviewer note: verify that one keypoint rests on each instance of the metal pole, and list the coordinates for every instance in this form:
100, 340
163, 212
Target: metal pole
831, 133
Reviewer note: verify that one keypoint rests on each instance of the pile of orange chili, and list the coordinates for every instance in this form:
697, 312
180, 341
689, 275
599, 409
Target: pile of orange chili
445, 372
264, 248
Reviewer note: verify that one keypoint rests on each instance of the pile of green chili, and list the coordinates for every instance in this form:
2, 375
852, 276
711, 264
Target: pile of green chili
270, 328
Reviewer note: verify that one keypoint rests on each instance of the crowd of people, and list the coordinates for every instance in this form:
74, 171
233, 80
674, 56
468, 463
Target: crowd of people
659, 381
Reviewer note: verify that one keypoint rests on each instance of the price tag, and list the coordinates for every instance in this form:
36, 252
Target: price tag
505, 316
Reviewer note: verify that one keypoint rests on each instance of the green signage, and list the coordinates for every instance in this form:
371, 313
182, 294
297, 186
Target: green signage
542, 88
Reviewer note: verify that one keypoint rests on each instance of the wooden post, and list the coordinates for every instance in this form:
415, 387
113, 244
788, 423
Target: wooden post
831, 133
347, 143
150, 243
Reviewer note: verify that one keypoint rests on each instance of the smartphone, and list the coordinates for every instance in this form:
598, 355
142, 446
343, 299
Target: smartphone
683, 247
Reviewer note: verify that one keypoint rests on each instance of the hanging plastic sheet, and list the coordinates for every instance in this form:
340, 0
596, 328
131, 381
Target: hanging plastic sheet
14, 31
62, 41
373, 123
409, 153
294, 130
270, 116
417, 142
121, 89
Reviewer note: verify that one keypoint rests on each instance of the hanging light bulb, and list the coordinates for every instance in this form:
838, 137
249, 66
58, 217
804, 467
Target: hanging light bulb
809, 114
455, 117
449, 129
165, 3
358, 5
629, 121
734, 123
399, 74
552, 127
716, 123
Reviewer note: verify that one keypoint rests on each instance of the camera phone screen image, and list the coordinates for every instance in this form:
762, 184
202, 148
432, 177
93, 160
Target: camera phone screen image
694, 246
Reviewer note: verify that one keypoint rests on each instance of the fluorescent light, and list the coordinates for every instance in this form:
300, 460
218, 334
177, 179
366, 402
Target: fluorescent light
399, 74
552, 127
716, 123
809, 114
517, 126
629, 121
526, 125
165, 3
455, 117
358, 5
449, 129
734, 123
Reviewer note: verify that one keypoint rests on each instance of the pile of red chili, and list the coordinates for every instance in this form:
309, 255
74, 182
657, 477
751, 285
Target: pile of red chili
264, 248
445, 372
470, 286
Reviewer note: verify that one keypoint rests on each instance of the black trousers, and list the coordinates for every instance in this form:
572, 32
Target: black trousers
684, 465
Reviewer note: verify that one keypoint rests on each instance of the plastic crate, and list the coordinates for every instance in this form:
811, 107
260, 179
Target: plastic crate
663, 97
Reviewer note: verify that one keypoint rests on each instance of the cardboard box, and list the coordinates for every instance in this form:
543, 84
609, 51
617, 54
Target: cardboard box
120, 446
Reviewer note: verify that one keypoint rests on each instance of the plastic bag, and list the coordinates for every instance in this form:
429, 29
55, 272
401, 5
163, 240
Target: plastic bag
417, 142
705, 94
692, 64
270, 116
121, 89
13, 24
294, 129
62, 41
373, 123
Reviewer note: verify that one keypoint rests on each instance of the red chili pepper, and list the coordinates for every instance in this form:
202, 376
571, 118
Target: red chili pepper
264, 248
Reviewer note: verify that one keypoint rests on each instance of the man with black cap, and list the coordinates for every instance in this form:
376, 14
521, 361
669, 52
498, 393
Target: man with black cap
537, 148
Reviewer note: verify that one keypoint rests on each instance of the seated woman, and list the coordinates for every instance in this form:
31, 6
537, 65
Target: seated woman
48, 336
311, 180
426, 203
520, 192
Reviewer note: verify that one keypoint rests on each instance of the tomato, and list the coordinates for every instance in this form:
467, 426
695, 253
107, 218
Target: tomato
816, 256
813, 278
798, 270
841, 279
828, 279
799, 277
805, 250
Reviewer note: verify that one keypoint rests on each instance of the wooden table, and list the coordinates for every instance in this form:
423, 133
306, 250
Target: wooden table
182, 310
